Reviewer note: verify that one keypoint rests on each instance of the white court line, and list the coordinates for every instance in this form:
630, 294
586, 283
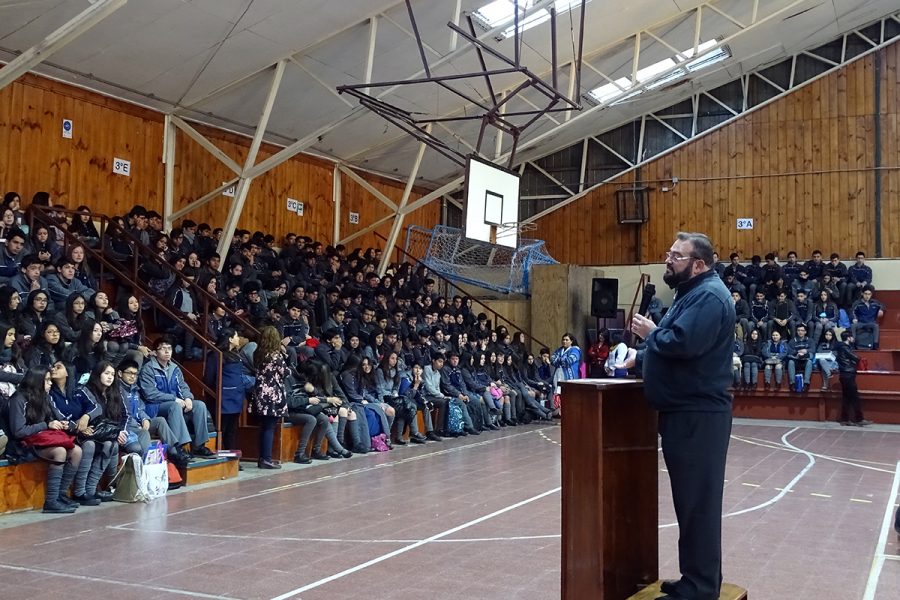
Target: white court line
265, 538
878, 560
782, 493
299, 484
143, 586
838, 459
405, 549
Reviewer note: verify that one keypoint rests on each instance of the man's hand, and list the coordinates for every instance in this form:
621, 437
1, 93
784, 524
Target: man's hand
188, 405
642, 326
145, 425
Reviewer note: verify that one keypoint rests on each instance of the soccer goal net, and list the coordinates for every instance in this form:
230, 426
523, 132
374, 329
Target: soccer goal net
446, 251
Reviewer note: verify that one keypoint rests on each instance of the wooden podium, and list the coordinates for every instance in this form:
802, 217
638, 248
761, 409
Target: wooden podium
609, 490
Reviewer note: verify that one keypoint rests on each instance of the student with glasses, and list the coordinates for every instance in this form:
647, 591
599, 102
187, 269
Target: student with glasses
167, 395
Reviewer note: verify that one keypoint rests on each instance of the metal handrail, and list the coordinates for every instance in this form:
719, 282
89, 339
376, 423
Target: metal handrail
449, 283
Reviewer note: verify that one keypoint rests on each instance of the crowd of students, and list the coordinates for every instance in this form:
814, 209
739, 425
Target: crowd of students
307, 333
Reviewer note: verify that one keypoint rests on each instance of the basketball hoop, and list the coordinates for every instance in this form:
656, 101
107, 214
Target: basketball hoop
505, 228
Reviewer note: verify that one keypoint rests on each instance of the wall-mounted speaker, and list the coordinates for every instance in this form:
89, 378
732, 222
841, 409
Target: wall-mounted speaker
604, 297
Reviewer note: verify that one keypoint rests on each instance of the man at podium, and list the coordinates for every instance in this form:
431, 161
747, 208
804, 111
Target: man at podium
686, 366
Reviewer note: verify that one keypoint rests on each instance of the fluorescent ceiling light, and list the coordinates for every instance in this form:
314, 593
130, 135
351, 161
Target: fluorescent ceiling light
502, 12
707, 55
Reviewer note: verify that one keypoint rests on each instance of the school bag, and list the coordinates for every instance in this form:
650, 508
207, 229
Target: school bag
129, 484
455, 421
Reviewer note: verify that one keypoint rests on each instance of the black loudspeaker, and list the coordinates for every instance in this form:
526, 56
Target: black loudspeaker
604, 297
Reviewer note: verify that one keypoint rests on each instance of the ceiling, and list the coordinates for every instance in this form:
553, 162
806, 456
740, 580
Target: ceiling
212, 61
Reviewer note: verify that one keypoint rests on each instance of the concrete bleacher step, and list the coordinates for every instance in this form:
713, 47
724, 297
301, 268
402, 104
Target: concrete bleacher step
881, 360
729, 592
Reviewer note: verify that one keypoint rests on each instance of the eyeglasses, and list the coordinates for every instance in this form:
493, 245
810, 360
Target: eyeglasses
677, 257
130, 373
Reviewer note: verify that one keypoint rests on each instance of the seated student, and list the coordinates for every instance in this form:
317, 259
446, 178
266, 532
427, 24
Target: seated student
87, 405
782, 310
800, 355
390, 380
90, 349
478, 382
47, 347
742, 316
47, 250
598, 353
825, 311
859, 276
11, 255
167, 395
617, 354
33, 313
83, 227
124, 338
531, 397
455, 385
804, 312
29, 277
30, 414
737, 350
359, 385
183, 301
866, 312
545, 367
72, 319
63, 283
139, 423
235, 383
509, 406
751, 359
826, 285
774, 352
318, 401
83, 271
331, 352
761, 314
416, 393
295, 326
825, 356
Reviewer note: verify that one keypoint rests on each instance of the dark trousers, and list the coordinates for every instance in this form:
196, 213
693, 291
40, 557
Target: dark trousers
266, 436
851, 408
695, 445
229, 431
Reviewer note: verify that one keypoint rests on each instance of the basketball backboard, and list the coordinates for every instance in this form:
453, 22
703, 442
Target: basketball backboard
491, 203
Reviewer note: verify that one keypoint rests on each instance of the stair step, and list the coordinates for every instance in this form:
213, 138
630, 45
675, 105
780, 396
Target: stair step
209, 469
881, 360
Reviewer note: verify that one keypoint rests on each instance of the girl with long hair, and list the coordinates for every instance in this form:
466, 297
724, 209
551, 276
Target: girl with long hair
30, 414
91, 351
73, 318
47, 347
269, 401
321, 398
33, 313
86, 407
389, 381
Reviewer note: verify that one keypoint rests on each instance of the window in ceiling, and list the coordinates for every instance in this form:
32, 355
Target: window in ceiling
502, 12
707, 55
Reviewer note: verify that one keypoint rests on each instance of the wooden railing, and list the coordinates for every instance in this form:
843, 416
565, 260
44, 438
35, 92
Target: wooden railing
448, 283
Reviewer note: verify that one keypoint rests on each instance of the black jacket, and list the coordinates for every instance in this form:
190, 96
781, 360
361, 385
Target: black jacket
847, 359
687, 359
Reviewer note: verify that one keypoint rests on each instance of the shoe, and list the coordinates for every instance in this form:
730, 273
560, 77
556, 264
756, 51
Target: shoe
472, 431
87, 500
302, 459
825, 387
494, 427
862, 423
846, 423
317, 455
57, 507
345, 454
418, 439
267, 464
104, 496
669, 586
463, 433
400, 442
433, 437
240, 467
202, 451
805, 387
63, 499
179, 458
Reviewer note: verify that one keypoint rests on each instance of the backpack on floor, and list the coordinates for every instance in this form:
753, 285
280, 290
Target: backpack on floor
129, 484
455, 421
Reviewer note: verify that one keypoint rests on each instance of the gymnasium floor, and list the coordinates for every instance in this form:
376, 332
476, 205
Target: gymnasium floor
476, 518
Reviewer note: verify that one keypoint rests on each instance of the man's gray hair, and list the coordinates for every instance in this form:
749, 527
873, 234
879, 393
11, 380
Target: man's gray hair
703, 247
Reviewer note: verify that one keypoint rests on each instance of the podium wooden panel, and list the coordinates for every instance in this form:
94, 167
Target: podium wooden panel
609, 490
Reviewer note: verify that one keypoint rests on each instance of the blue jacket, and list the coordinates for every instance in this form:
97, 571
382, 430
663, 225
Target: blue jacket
235, 384
687, 359
160, 385
569, 361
